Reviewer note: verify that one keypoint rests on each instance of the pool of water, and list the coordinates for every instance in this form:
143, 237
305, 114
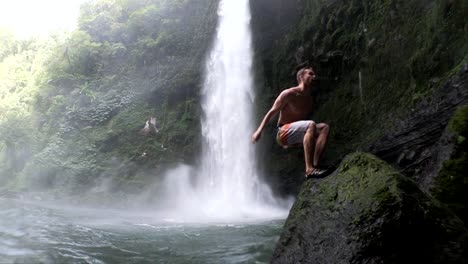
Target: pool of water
40, 233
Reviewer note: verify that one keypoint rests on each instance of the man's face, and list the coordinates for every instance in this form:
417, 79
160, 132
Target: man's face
309, 76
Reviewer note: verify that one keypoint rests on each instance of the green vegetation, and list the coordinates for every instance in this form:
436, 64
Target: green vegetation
21, 65
73, 105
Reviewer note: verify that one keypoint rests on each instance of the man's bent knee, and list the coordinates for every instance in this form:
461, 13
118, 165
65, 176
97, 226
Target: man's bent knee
323, 128
326, 128
311, 127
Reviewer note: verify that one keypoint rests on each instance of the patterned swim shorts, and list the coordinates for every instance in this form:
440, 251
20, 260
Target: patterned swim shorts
292, 133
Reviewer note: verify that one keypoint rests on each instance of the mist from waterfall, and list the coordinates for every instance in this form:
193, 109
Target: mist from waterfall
228, 185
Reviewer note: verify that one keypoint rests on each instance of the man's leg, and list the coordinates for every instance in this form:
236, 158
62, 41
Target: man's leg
309, 144
322, 130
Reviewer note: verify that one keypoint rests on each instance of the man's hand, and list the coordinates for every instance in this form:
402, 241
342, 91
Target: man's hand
256, 136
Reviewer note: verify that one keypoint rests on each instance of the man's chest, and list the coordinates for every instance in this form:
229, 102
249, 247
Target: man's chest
301, 104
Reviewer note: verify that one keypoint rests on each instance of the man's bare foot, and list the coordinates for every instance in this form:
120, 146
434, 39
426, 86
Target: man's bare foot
309, 173
315, 172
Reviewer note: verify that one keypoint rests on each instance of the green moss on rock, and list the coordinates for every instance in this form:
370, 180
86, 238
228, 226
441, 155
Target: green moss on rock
366, 212
459, 121
451, 184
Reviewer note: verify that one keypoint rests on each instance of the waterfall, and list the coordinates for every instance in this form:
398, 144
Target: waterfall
228, 184
228, 156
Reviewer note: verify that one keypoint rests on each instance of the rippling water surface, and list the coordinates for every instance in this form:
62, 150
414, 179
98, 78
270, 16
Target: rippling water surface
35, 233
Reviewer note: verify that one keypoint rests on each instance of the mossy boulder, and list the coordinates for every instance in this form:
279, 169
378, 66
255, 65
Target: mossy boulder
366, 212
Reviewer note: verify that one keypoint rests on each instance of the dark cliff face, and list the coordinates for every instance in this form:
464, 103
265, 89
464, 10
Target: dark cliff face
420, 143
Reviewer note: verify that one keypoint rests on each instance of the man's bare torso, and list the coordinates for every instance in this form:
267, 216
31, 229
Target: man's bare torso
298, 106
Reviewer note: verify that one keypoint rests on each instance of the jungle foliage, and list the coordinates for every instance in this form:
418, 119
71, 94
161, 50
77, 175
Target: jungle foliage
73, 104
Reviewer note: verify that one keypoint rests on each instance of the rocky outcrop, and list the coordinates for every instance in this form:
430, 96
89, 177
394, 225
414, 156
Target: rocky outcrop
366, 212
451, 183
419, 145
423, 145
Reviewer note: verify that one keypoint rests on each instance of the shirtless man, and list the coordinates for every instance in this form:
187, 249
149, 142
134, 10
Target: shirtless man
294, 106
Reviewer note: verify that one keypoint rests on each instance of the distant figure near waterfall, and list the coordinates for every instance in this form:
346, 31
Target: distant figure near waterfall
150, 123
294, 105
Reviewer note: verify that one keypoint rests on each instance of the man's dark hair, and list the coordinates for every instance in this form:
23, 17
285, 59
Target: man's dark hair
301, 72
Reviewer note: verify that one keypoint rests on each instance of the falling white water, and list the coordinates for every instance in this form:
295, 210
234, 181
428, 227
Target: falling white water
228, 185
228, 159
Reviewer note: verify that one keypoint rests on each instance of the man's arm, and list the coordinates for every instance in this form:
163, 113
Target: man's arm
280, 102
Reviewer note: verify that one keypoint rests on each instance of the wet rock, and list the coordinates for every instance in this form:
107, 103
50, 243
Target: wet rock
450, 185
424, 133
366, 212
